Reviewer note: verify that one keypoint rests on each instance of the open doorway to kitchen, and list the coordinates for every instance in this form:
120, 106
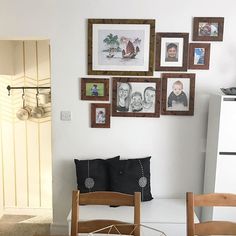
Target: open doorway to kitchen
25, 128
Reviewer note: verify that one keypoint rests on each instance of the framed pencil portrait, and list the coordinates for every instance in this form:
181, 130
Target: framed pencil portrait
94, 89
136, 97
100, 115
121, 46
178, 91
208, 28
199, 56
171, 51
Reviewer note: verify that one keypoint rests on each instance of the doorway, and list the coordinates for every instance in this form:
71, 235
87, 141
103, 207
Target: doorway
25, 144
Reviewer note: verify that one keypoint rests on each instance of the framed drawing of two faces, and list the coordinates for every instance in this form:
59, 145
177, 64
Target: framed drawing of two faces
121, 47
178, 93
171, 51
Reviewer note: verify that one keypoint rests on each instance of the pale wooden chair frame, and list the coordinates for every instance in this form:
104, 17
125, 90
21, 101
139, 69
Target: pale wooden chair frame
105, 198
209, 227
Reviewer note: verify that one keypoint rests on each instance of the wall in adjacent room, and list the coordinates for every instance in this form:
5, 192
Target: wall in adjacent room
176, 143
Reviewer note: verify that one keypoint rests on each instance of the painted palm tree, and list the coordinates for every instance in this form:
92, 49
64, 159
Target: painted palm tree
112, 42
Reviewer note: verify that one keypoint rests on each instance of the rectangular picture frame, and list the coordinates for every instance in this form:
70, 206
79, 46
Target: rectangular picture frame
94, 89
171, 51
121, 46
178, 91
208, 28
136, 97
100, 115
199, 56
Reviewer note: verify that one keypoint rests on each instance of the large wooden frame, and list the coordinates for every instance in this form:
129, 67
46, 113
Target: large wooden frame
121, 46
167, 42
94, 89
182, 103
136, 97
199, 56
100, 115
208, 28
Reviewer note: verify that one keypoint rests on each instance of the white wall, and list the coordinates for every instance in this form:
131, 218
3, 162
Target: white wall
177, 144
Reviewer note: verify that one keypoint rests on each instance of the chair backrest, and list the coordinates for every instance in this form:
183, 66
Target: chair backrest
209, 227
110, 199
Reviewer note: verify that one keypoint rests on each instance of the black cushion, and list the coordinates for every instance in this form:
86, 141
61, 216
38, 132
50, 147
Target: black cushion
93, 175
132, 175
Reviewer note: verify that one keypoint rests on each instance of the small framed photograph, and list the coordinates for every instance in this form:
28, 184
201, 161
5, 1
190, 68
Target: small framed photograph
171, 51
136, 97
199, 56
100, 115
121, 46
208, 28
94, 89
178, 94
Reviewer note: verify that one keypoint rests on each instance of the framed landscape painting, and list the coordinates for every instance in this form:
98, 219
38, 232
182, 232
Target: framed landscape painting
94, 89
199, 56
208, 28
120, 46
178, 91
136, 97
100, 115
171, 51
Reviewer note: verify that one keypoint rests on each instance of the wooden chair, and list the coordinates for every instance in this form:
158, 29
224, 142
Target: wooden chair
105, 198
209, 227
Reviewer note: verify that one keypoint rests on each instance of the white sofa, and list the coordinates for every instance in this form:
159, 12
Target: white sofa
167, 215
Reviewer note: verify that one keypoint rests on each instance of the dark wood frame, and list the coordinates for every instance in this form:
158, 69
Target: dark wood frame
165, 77
84, 81
107, 107
121, 21
197, 20
184, 66
207, 47
116, 80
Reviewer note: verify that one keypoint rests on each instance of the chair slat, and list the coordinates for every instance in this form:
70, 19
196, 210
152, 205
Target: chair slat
106, 198
220, 199
215, 228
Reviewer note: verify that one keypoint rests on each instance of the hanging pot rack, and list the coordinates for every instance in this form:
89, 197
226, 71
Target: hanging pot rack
9, 88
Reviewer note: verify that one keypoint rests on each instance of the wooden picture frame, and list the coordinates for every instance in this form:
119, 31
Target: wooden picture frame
121, 46
178, 91
208, 28
199, 56
100, 115
171, 51
136, 97
94, 89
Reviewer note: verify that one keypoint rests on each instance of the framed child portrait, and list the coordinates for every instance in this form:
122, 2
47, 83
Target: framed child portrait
94, 89
171, 51
178, 92
136, 97
199, 56
100, 115
208, 28
121, 46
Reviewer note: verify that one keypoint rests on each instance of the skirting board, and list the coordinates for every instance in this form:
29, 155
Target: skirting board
59, 229
27, 211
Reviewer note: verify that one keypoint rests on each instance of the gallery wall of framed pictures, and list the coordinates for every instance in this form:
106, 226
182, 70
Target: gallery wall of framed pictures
128, 51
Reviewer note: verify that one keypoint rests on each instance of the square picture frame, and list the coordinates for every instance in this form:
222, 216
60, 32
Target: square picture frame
94, 89
171, 51
178, 91
199, 56
208, 28
136, 97
100, 115
121, 46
